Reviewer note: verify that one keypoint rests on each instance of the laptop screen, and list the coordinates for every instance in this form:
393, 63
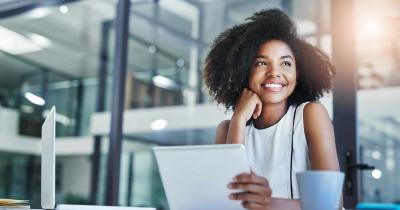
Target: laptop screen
48, 161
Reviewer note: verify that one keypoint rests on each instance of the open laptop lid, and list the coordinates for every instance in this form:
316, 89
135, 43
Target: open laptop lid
48, 168
48, 161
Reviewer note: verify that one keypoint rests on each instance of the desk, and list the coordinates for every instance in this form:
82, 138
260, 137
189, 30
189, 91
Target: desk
87, 207
94, 207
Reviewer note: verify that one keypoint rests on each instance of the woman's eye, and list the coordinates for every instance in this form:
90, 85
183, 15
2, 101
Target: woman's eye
287, 64
260, 63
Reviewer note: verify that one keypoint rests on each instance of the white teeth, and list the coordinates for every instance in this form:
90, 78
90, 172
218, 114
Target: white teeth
273, 85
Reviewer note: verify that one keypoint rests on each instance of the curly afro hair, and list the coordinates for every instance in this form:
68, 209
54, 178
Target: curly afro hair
228, 64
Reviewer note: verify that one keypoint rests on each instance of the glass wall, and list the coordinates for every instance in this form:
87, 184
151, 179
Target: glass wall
378, 47
49, 56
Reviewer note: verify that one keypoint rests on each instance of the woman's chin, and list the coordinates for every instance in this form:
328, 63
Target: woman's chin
272, 101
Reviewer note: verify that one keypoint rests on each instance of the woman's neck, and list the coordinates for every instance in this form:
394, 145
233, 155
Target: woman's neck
270, 114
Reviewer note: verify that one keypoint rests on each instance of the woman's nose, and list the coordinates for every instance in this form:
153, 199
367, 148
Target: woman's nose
274, 72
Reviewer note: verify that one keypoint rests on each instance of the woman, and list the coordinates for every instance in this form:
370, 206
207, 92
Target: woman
272, 79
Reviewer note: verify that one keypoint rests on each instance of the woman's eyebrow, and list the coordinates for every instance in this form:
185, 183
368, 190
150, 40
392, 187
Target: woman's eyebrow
287, 56
282, 57
262, 56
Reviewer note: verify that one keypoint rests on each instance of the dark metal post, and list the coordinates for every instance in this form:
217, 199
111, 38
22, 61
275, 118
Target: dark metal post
117, 107
344, 94
130, 179
96, 158
45, 84
154, 71
45, 91
200, 96
100, 107
78, 109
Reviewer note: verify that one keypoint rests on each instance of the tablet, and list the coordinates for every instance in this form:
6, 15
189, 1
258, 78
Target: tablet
196, 177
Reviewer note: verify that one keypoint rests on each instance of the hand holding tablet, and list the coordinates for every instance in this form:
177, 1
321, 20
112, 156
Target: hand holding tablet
196, 177
256, 192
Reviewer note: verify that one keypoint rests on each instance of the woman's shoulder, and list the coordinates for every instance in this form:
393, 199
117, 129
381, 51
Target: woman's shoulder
313, 109
315, 117
310, 111
309, 107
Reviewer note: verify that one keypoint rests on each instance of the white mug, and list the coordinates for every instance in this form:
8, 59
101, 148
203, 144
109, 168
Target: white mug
320, 190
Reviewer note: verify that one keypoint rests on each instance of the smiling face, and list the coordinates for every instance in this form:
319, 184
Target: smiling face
273, 72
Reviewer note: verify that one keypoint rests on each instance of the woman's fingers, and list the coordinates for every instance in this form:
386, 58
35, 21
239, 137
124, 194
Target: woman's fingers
252, 188
259, 107
248, 106
252, 206
255, 113
257, 110
249, 197
256, 193
250, 178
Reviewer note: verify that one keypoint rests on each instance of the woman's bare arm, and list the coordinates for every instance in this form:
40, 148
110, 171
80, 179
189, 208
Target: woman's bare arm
236, 131
230, 132
233, 131
320, 138
222, 131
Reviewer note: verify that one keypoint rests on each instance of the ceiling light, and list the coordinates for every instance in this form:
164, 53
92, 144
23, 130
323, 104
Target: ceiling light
34, 99
63, 9
14, 43
376, 174
164, 82
40, 40
376, 155
60, 118
159, 124
38, 13
152, 49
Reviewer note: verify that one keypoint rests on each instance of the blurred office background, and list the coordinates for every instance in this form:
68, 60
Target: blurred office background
54, 55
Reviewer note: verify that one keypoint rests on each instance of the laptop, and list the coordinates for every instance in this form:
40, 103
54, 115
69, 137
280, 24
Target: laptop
196, 177
48, 168
48, 164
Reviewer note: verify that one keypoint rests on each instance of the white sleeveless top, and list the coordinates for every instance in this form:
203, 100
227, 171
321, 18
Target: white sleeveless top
268, 152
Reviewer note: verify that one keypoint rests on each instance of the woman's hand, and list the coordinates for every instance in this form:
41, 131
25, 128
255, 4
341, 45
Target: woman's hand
249, 105
256, 193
